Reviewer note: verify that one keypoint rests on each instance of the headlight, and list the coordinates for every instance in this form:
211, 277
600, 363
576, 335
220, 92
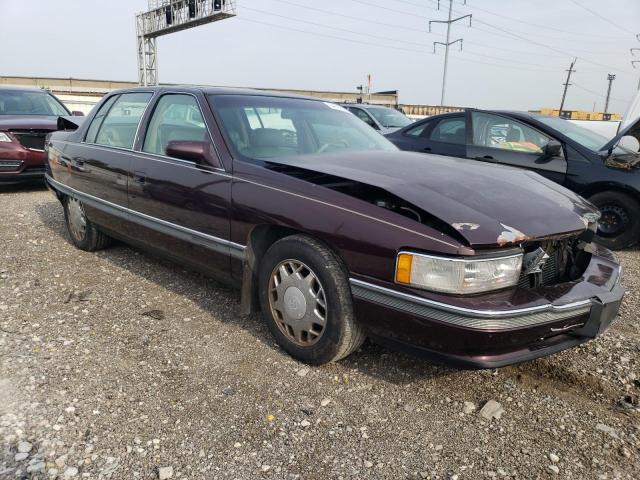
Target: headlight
457, 275
4, 137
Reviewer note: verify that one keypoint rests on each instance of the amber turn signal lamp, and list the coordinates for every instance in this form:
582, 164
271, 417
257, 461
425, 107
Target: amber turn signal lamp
403, 268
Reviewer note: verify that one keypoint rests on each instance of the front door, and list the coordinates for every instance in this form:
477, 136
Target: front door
181, 205
501, 139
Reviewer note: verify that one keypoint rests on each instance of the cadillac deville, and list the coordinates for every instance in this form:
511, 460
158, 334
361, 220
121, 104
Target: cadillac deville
332, 232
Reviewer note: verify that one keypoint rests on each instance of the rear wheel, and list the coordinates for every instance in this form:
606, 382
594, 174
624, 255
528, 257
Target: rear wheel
84, 234
619, 226
306, 301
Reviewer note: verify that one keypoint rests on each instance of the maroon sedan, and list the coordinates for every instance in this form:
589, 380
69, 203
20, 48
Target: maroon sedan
333, 233
27, 115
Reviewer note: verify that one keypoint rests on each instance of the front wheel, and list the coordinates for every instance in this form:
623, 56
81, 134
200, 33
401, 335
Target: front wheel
619, 226
306, 301
83, 232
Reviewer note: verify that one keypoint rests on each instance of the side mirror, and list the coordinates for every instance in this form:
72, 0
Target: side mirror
552, 149
191, 151
630, 143
77, 113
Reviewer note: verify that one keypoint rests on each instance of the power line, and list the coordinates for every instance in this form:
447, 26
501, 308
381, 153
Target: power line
514, 19
350, 17
401, 12
601, 17
525, 39
515, 35
537, 25
361, 42
407, 28
335, 28
340, 29
593, 92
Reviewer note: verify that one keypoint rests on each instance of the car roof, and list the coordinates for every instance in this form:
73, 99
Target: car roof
512, 113
364, 106
22, 89
215, 91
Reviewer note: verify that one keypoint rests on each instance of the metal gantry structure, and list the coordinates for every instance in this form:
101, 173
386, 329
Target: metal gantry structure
448, 43
169, 16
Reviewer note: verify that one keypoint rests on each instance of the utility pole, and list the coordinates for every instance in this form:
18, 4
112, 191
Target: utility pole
448, 43
611, 77
566, 84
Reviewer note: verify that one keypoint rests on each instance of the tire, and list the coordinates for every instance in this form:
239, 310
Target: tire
90, 238
321, 278
619, 226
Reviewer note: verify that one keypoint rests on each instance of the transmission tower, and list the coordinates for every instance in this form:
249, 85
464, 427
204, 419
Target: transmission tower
448, 43
566, 84
168, 16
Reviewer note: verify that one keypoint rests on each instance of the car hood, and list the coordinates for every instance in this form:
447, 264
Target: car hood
24, 122
489, 205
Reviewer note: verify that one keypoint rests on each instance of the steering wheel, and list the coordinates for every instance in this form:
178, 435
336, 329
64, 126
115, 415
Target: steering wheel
341, 144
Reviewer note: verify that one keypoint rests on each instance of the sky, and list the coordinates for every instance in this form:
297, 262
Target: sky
514, 55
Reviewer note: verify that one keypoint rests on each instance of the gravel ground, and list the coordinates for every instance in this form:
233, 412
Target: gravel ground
119, 365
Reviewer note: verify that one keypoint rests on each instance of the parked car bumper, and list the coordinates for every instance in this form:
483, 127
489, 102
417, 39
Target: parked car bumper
19, 164
493, 330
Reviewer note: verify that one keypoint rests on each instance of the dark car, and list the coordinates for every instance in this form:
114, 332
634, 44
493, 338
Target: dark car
333, 232
581, 160
384, 119
27, 115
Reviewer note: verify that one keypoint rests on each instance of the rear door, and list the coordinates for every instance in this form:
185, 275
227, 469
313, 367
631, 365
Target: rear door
100, 165
498, 138
181, 206
443, 136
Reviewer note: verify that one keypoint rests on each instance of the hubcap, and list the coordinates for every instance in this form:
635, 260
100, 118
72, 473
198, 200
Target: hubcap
614, 220
77, 220
298, 303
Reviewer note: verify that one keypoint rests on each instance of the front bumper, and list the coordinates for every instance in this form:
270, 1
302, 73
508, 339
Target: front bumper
19, 164
493, 330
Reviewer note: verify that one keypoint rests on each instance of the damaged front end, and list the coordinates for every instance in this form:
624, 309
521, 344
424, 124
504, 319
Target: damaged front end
552, 261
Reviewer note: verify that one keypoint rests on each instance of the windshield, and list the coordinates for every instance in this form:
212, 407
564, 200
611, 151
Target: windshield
592, 140
389, 118
261, 128
21, 102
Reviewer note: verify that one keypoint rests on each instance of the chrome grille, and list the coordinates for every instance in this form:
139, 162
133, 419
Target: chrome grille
10, 165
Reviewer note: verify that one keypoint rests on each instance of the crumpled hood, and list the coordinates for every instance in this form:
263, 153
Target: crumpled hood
488, 204
27, 122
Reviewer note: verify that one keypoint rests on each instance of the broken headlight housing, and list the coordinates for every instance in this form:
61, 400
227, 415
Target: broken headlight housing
457, 275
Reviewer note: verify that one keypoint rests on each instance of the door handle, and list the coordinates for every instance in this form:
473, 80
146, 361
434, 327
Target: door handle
427, 149
79, 163
486, 158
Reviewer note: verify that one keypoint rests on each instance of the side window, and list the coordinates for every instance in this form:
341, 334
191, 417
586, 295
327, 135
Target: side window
118, 128
495, 131
364, 116
176, 117
418, 130
449, 130
96, 123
